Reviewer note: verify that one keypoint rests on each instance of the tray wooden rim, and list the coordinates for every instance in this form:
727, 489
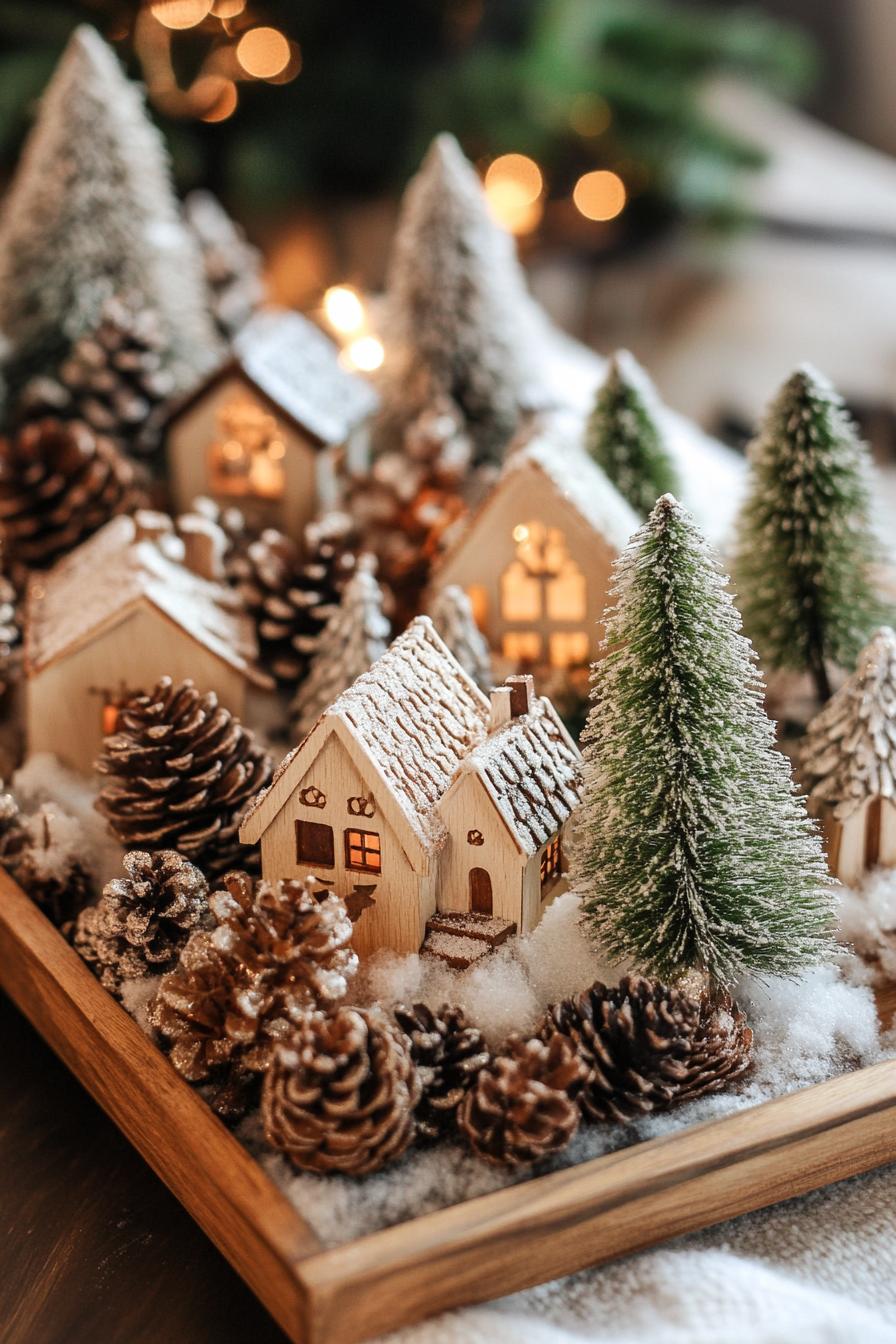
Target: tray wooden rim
494, 1244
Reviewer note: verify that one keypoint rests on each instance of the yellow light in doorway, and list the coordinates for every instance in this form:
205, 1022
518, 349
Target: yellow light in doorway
599, 195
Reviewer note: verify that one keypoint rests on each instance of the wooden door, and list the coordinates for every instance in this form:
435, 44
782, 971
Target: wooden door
480, 892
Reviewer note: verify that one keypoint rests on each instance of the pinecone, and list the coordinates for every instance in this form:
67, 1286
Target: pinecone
647, 1047
12, 830
340, 1094
448, 1053
113, 379
59, 483
141, 922
235, 528
291, 600
182, 772
43, 856
412, 499
11, 590
522, 1107
279, 949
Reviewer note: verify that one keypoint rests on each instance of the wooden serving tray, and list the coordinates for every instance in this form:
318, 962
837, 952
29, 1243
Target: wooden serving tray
495, 1244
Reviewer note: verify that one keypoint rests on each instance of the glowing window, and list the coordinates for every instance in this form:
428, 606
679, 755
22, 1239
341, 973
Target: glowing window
520, 594
246, 459
566, 594
551, 863
362, 852
479, 602
568, 648
522, 646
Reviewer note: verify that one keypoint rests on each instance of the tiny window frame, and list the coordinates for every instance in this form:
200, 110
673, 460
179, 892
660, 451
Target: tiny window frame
363, 850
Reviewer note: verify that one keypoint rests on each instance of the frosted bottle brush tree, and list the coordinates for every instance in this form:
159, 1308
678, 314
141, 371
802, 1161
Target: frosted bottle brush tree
91, 212
459, 315
806, 549
695, 852
624, 437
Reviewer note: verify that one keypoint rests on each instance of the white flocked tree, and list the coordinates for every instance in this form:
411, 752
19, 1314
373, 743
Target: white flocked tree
452, 616
355, 636
91, 212
695, 853
458, 315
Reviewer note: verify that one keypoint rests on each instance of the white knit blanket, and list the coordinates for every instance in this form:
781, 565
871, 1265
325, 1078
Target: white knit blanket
819, 1270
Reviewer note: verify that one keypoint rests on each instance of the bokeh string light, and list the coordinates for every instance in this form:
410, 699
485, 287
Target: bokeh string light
513, 187
600, 195
263, 52
179, 14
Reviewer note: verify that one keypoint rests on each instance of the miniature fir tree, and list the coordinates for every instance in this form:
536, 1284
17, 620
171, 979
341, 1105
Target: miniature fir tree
452, 616
233, 267
91, 213
458, 312
695, 852
805, 546
624, 438
353, 639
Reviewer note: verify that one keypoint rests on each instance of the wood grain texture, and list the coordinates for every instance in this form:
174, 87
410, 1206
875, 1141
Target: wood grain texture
185, 1144
512, 1239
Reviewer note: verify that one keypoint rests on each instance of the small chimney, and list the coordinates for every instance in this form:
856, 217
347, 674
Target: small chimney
151, 525
500, 712
204, 546
522, 691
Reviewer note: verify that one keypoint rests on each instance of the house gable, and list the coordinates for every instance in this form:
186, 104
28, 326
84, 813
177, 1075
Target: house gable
339, 824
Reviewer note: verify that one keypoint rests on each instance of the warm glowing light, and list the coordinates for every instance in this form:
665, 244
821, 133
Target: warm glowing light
521, 532
513, 187
228, 9
366, 353
590, 114
263, 52
180, 13
518, 169
219, 99
599, 195
343, 309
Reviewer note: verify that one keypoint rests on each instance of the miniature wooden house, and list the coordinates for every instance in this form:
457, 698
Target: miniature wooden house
536, 558
272, 429
420, 801
848, 765
115, 615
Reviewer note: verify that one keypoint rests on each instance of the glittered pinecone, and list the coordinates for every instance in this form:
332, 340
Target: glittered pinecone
44, 858
278, 949
291, 600
113, 379
522, 1107
182, 771
647, 1046
448, 1053
340, 1094
12, 829
142, 921
59, 483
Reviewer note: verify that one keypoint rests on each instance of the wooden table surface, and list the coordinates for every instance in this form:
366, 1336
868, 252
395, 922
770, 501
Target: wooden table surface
93, 1248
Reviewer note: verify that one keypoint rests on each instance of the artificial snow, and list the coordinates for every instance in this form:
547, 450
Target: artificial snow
44, 782
806, 1030
868, 925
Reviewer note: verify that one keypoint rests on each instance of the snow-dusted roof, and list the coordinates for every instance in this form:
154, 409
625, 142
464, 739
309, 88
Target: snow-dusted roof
296, 368
849, 754
109, 575
579, 480
530, 769
418, 715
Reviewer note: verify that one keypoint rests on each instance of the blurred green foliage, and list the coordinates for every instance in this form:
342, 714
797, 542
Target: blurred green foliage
378, 80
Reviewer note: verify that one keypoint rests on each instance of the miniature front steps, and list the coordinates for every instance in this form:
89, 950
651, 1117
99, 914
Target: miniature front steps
462, 938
